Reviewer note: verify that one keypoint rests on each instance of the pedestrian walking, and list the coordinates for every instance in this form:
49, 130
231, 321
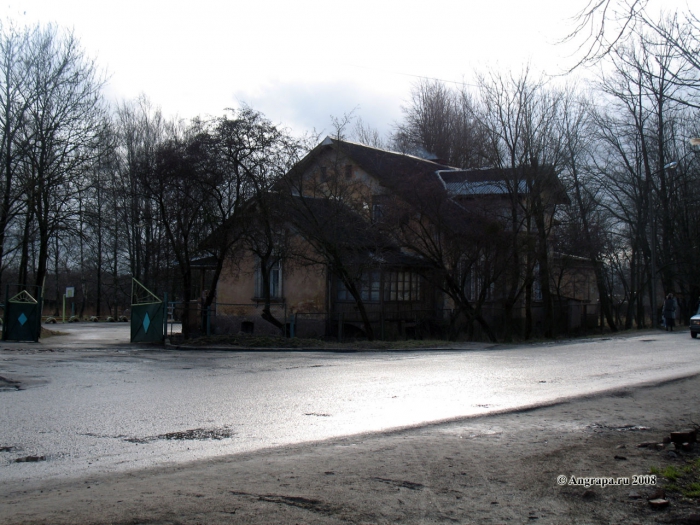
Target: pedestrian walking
670, 306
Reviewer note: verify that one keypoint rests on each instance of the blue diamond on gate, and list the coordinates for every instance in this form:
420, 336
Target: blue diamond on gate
22, 319
146, 322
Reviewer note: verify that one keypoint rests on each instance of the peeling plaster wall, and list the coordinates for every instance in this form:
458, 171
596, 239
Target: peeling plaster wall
303, 289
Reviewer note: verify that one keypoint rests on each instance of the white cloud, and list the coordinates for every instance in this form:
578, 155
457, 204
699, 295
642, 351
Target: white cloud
304, 107
302, 61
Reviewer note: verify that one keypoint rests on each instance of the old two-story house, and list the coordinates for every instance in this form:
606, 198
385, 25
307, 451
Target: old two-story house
340, 271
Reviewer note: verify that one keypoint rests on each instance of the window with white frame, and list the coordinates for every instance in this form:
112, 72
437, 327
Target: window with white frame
402, 286
275, 281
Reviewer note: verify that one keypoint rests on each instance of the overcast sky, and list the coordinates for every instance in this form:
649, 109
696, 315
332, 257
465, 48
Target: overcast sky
301, 61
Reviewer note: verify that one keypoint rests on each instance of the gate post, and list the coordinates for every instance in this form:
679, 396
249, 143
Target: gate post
208, 320
22, 317
148, 315
165, 315
5, 317
40, 307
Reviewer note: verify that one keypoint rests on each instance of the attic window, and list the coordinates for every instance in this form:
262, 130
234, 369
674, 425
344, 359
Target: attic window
348, 171
324, 174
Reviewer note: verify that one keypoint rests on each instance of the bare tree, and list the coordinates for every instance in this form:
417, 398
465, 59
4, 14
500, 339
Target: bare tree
366, 134
603, 27
178, 182
587, 220
521, 116
462, 247
440, 123
59, 136
14, 101
253, 155
140, 129
639, 130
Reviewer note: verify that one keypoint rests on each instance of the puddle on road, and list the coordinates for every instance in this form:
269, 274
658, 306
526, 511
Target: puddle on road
627, 428
199, 434
30, 459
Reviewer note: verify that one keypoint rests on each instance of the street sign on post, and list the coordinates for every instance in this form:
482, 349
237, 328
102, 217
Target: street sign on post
70, 293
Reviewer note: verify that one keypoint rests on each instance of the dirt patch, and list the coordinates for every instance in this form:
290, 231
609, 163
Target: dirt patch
45, 332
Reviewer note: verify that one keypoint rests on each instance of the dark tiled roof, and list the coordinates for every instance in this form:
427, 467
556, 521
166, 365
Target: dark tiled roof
389, 167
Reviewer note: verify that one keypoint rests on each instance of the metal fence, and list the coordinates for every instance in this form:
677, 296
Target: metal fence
569, 319
229, 318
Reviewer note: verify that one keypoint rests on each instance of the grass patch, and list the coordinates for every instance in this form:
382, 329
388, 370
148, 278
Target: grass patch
692, 491
671, 473
683, 479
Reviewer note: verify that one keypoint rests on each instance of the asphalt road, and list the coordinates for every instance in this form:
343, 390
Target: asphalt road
89, 402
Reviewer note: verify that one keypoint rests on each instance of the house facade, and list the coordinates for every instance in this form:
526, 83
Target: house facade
343, 272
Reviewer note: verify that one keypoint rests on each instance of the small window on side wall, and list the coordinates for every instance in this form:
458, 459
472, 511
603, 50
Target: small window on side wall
275, 281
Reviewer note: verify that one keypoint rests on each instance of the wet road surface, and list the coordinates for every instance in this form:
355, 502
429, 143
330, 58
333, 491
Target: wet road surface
86, 405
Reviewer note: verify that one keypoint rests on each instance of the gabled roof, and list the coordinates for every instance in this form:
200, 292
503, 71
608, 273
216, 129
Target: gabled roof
389, 167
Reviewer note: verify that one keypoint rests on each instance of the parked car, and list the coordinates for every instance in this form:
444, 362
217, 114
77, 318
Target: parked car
695, 324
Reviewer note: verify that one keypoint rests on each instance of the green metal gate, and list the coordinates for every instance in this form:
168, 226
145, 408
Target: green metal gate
147, 315
22, 320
